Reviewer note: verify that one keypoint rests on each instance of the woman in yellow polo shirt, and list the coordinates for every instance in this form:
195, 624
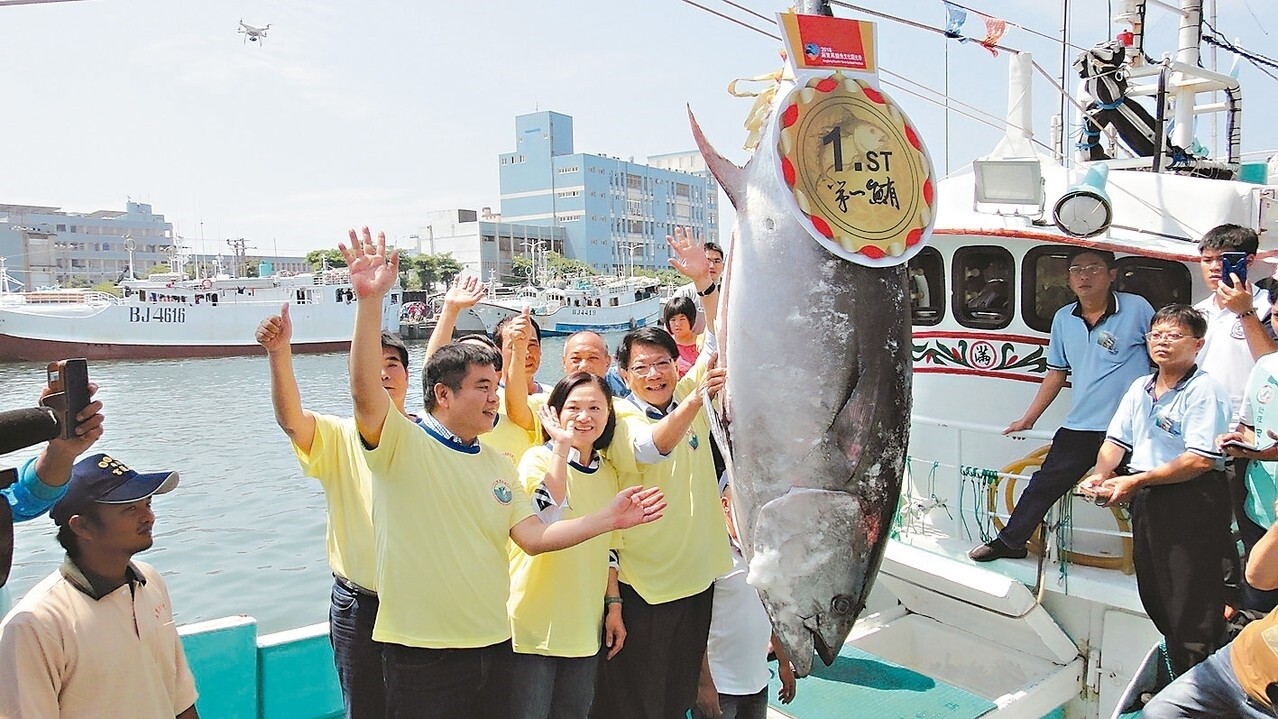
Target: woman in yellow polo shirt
557, 599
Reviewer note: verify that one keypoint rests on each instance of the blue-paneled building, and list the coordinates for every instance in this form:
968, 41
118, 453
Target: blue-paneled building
615, 213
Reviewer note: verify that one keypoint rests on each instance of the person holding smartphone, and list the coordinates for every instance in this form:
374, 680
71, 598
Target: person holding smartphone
1237, 335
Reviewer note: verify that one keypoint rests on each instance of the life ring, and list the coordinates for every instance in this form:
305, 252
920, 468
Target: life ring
1025, 466
207, 284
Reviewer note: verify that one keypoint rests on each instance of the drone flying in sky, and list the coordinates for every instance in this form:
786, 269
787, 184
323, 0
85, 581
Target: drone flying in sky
253, 34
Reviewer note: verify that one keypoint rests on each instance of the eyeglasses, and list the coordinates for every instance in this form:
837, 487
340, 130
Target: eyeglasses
645, 369
1086, 270
1160, 336
714, 261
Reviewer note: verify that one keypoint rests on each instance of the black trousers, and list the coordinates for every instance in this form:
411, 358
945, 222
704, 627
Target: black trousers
1073, 452
1180, 535
655, 674
447, 683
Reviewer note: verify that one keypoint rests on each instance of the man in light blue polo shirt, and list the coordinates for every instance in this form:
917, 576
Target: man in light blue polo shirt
1099, 342
1175, 484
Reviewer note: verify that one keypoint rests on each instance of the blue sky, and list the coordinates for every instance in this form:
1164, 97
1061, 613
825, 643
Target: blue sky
376, 111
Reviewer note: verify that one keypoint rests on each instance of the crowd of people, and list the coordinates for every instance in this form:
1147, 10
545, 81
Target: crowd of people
519, 550
1187, 448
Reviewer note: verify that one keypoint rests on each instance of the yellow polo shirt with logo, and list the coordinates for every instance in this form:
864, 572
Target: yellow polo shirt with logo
682, 553
336, 459
508, 438
442, 514
556, 598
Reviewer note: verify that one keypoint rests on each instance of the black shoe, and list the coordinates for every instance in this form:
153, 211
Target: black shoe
996, 549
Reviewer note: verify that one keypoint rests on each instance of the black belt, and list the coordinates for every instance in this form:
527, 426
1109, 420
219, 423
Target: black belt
353, 586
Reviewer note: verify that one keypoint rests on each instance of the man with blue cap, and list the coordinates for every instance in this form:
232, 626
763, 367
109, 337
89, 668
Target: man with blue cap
97, 637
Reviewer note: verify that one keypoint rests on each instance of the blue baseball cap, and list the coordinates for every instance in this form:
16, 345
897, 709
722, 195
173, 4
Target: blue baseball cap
101, 479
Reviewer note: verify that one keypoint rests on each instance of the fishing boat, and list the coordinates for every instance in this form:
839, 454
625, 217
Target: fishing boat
1063, 631
588, 303
168, 315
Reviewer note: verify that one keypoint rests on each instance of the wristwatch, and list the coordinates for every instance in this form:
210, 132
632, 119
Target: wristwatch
708, 291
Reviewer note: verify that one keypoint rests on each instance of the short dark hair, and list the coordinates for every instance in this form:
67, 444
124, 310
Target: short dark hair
66, 535
645, 336
1105, 255
390, 339
1183, 315
479, 337
564, 387
679, 306
1227, 237
713, 247
501, 325
450, 364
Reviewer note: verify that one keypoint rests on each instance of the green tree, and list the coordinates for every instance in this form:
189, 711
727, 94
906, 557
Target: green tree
561, 266
157, 268
447, 267
316, 258
522, 268
665, 276
107, 287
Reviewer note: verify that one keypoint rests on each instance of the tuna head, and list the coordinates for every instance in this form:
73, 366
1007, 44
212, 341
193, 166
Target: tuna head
811, 565
815, 410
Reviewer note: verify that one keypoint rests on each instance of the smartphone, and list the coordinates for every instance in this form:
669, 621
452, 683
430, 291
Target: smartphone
1233, 263
69, 380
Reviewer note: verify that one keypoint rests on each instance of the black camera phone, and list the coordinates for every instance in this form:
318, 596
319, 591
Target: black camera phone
1233, 263
70, 382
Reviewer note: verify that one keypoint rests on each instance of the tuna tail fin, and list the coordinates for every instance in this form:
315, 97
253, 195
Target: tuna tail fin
730, 177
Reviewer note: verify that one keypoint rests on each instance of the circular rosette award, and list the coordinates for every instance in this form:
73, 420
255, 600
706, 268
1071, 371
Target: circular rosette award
859, 174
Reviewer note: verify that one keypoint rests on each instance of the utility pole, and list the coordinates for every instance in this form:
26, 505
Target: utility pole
239, 248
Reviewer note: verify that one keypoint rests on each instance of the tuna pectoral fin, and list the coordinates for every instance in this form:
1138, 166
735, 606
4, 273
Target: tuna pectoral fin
719, 429
812, 559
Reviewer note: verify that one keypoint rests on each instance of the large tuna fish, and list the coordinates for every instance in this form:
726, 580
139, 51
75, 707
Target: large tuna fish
816, 410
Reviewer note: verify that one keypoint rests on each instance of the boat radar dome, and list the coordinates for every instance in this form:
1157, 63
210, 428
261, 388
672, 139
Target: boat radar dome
1085, 209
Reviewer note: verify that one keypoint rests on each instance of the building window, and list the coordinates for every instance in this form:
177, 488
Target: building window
682, 190
634, 182
1045, 285
568, 170
634, 207
984, 286
568, 193
927, 287
1160, 282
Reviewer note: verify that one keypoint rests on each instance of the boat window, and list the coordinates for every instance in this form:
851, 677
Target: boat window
984, 285
927, 287
1045, 283
1161, 282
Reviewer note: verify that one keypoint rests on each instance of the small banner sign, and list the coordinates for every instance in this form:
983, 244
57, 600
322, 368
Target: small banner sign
859, 174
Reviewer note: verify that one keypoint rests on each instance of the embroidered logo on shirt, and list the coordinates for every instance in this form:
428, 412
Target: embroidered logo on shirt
501, 490
1237, 331
693, 441
1108, 342
1265, 394
1167, 424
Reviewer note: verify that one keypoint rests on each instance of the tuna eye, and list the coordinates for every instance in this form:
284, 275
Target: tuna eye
841, 604
768, 223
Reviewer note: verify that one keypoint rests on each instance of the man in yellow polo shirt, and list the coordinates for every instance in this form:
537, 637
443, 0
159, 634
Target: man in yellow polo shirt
328, 449
443, 512
667, 575
96, 638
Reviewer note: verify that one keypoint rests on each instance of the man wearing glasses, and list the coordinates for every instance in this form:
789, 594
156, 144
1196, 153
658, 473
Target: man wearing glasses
1160, 456
666, 578
1099, 343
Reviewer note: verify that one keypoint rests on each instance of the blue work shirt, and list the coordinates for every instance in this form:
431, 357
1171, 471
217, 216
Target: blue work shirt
1187, 418
29, 497
1102, 360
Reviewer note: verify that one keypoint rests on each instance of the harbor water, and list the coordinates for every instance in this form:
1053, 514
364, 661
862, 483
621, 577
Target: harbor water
244, 531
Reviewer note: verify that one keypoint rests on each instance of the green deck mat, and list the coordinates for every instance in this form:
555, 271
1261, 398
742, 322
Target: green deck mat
860, 684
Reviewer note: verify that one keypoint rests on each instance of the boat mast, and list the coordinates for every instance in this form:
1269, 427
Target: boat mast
1191, 35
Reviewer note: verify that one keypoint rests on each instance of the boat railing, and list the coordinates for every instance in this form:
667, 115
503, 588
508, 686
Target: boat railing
89, 297
983, 476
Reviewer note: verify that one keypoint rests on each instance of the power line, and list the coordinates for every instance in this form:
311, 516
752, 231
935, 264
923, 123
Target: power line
731, 19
